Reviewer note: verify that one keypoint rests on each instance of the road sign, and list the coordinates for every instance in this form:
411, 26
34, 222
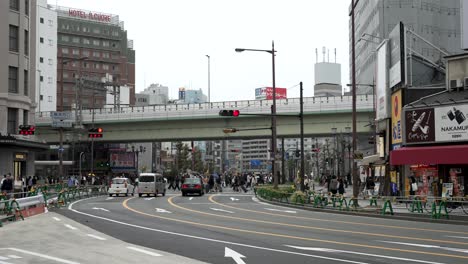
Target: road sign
62, 123
60, 115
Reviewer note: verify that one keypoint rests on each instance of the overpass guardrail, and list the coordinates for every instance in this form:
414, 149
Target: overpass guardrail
173, 111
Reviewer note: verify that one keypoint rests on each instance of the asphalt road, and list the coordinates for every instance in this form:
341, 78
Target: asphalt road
206, 228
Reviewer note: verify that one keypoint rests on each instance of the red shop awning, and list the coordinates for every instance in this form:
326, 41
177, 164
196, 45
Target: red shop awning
457, 154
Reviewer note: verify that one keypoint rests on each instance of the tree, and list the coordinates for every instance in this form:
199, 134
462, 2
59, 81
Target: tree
197, 156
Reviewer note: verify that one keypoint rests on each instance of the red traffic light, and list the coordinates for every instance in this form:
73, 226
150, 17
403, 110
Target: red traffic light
234, 113
27, 130
96, 130
100, 130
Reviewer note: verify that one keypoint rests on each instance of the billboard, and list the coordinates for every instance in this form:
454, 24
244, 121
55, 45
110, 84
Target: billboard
464, 23
451, 124
267, 93
397, 56
122, 161
397, 136
382, 91
419, 126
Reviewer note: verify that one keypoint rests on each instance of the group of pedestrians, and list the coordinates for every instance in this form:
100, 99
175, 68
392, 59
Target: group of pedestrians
336, 185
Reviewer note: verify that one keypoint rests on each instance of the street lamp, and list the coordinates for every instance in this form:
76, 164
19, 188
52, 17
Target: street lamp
62, 62
209, 81
273, 109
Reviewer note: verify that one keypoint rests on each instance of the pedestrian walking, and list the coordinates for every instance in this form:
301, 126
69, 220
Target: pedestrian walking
333, 185
177, 181
341, 186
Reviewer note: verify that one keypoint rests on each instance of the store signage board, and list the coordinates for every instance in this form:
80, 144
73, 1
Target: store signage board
397, 137
382, 90
61, 115
420, 125
451, 123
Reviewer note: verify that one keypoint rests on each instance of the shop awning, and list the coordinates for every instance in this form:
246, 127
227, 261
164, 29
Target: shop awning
373, 159
457, 154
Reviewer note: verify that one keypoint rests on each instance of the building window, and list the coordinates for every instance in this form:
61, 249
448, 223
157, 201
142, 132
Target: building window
96, 54
13, 38
26, 82
105, 43
41, 78
12, 124
85, 53
25, 117
41, 40
26, 7
96, 65
96, 42
105, 55
65, 26
14, 5
65, 75
50, 80
64, 50
50, 61
76, 52
85, 65
105, 67
26, 42
76, 40
41, 20
51, 22
50, 99
65, 38
96, 30
41, 97
86, 41
12, 79
115, 33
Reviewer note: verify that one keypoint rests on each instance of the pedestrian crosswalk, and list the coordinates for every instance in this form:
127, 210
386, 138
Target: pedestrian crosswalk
3, 259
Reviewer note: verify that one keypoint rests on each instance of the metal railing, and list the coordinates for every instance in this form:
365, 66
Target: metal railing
174, 111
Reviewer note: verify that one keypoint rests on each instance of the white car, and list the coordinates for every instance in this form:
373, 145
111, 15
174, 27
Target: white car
121, 186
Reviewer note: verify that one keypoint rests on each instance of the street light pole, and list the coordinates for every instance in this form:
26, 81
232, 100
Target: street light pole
353, 62
209, 81
273, 111
302, 137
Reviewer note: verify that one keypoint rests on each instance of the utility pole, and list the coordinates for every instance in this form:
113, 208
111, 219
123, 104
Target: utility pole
301, 116
353, 71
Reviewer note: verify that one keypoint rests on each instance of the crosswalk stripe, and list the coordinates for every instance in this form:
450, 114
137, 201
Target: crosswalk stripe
13, 257
3, 258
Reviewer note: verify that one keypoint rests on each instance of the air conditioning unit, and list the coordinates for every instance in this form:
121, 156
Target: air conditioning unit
455, 85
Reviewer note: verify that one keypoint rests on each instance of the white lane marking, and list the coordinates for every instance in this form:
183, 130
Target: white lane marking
426, 246
190, 199
109, 198
4, 262
149, 199
237, 257
13, 256
40, 255
160, 210
145, 251
71, 227
234, 199
102, 209
70, 207
283, 211
221, 210
56, 218
361, 253
458, 237
96, 237
255, 199
3, 258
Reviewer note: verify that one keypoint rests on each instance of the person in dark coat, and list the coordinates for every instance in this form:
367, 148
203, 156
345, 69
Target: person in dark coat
341, 186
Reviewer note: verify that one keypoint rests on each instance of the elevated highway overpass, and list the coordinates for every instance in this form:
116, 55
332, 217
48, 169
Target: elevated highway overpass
202, 121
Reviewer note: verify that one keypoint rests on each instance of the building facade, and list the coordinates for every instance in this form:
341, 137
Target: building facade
157, 94
93, 45
191, 96
327, 79
437, 21
17, 90
45, 60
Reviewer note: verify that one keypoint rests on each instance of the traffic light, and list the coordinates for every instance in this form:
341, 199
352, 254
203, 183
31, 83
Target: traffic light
95, 132
27, 130
297, 153
234, 113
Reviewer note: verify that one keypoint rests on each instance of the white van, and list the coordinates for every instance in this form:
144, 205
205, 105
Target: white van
151, 183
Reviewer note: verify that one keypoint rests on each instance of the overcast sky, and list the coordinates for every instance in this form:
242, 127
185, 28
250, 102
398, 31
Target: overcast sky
172, 37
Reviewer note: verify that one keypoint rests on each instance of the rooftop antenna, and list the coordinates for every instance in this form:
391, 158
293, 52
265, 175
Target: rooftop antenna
316, 55
323, 52
328, 53
335, 55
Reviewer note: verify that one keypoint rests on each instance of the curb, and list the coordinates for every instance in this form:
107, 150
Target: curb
396, 216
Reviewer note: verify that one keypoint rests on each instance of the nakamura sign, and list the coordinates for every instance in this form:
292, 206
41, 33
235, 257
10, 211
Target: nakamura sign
451, 123
89, 15
419, 126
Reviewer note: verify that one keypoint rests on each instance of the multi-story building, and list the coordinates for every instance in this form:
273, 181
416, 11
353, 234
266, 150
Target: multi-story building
191, 96
327, 79
17, 89
437, 21
157, 94
256, 155
46, 55
92, 44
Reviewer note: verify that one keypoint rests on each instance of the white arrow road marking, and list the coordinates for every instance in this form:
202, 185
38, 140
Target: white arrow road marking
427, 246
159, 210
283, 211
149, 199
96, 237
229, 253
145, 251
221, 210
190, 199
360, 253
71, 227
56, 218
234, 199
458, 237
95, 208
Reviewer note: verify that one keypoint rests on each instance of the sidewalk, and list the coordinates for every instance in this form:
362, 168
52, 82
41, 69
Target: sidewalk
53, 238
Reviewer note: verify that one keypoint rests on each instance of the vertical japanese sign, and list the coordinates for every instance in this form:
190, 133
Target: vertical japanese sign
382, 90
396, 120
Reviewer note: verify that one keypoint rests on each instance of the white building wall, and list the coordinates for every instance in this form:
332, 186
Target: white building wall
124, 96
46, 96
158, 94
327, 72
